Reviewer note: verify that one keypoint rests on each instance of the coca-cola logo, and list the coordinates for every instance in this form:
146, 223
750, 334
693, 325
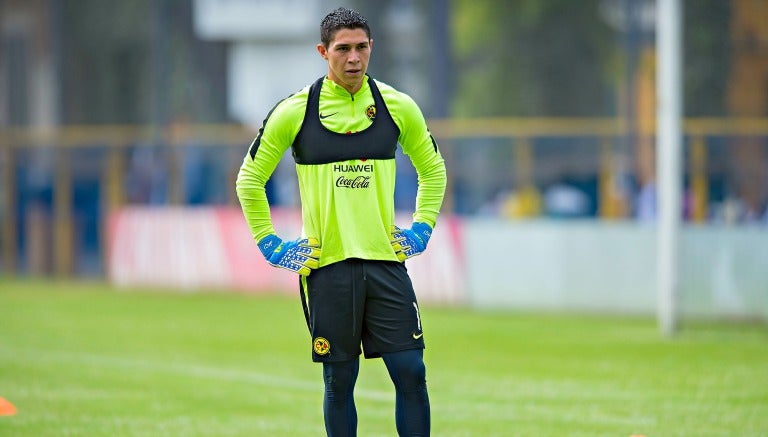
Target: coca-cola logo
356, 182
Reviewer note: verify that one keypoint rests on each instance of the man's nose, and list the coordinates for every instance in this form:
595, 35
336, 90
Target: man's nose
354, 56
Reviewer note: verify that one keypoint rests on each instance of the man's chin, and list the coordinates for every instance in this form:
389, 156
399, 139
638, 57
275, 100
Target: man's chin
353, 81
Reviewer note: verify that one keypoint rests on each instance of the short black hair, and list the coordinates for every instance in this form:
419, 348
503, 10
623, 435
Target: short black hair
342, 18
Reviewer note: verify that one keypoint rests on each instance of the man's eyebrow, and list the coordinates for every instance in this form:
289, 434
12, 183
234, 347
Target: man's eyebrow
344, 44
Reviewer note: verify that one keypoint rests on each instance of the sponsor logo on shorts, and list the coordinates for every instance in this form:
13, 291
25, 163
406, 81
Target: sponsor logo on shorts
321, 346
417, 335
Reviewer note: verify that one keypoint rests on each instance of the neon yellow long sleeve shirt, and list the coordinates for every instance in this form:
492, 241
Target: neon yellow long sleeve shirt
347, 204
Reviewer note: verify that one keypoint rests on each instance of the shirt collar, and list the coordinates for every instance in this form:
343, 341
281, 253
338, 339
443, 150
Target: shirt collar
341, 91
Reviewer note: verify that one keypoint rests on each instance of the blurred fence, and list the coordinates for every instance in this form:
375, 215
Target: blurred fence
58, 185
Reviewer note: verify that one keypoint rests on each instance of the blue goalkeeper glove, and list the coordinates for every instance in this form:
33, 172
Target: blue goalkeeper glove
299, 256
408, 243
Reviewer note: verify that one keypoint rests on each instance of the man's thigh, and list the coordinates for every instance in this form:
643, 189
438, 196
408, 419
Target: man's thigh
392, 321
333, 301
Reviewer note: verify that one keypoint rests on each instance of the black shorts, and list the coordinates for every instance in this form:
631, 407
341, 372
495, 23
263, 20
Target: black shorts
360, 301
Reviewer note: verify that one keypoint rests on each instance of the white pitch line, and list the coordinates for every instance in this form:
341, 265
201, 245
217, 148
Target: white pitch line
197, 371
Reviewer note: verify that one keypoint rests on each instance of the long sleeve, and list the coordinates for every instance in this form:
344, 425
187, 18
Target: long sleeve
251, 180
266, 150
421, 148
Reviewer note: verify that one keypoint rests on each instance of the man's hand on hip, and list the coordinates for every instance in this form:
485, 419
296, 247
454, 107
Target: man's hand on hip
301, 255
408, 243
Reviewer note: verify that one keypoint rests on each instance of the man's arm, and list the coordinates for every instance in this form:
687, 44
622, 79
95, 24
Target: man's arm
274, 138
258, 166
421, 148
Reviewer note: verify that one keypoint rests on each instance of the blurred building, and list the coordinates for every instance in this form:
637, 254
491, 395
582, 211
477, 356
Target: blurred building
29, 88
267, 58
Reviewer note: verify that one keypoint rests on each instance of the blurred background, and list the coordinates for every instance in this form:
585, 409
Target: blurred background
544, 110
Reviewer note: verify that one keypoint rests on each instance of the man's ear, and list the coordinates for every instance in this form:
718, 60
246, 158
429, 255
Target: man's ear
323, 51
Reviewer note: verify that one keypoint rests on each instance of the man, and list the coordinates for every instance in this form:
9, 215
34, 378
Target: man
343, 130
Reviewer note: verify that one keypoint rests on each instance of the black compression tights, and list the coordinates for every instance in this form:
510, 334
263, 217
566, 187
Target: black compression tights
338, 401
407, 371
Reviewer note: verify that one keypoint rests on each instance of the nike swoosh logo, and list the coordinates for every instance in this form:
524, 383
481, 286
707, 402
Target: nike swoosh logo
326, 116
418, 336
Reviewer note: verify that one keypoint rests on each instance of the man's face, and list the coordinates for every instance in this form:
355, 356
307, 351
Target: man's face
347, 55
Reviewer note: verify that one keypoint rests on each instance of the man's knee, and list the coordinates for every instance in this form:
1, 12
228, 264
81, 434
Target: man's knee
340, 377
407, 369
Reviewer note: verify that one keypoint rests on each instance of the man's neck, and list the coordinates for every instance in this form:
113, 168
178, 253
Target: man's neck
351, 88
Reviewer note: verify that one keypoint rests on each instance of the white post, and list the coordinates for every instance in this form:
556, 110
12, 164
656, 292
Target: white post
668, 157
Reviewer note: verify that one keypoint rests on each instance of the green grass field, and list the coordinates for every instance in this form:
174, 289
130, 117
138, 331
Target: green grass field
86, 360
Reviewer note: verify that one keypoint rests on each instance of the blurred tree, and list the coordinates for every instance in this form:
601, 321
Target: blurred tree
706, 54
137, 61
529, 57
560, 58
